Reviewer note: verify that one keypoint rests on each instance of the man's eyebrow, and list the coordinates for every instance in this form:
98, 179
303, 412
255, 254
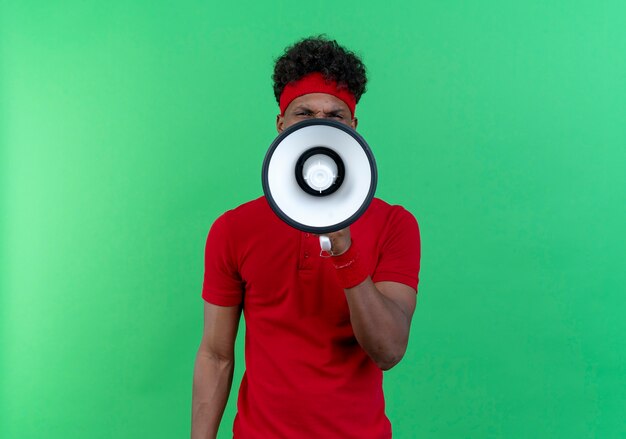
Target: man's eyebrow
305, 107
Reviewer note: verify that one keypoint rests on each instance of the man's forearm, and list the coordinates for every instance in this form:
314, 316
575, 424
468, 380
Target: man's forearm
212, 380
380, 325
380, 313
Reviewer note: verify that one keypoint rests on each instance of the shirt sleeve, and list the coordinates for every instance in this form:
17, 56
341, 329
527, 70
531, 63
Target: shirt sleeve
399, 259
222, 284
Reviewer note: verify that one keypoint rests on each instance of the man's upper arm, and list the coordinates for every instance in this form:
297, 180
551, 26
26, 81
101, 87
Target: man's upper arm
397, 273
220, 330
222, 282
399, 261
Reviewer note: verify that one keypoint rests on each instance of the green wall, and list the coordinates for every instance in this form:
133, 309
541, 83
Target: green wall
127, 127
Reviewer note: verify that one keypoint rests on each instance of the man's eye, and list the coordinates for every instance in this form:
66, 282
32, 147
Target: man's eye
303, 113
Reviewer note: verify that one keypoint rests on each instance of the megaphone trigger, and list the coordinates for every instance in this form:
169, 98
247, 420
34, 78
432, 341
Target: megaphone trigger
326, 246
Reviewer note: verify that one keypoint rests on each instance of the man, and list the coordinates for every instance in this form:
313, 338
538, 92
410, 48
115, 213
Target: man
319, 331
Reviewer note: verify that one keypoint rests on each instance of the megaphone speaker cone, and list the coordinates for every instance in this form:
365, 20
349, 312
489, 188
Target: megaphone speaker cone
319, 171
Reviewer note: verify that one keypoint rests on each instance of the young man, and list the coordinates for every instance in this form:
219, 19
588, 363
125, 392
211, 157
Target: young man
319, 331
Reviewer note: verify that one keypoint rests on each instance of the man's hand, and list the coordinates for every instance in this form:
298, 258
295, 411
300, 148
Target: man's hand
340, 241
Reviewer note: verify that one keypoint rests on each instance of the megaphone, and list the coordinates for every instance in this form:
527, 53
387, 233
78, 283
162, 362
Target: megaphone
319, 176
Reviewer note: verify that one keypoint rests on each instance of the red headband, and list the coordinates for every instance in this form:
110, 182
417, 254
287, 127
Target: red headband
315, 83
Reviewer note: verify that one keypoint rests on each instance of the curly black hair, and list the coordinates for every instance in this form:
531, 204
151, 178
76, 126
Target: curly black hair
319, 54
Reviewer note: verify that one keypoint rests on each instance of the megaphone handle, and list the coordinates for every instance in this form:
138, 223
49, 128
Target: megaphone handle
326, 245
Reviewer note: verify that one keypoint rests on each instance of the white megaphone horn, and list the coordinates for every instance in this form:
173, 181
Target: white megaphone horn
319, 176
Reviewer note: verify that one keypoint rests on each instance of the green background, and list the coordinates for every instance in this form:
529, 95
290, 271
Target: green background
127, 127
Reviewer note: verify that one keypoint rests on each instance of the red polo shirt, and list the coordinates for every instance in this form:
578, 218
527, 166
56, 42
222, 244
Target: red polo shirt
306, 375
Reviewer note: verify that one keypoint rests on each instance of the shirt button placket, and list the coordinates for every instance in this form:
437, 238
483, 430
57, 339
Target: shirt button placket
305, 251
